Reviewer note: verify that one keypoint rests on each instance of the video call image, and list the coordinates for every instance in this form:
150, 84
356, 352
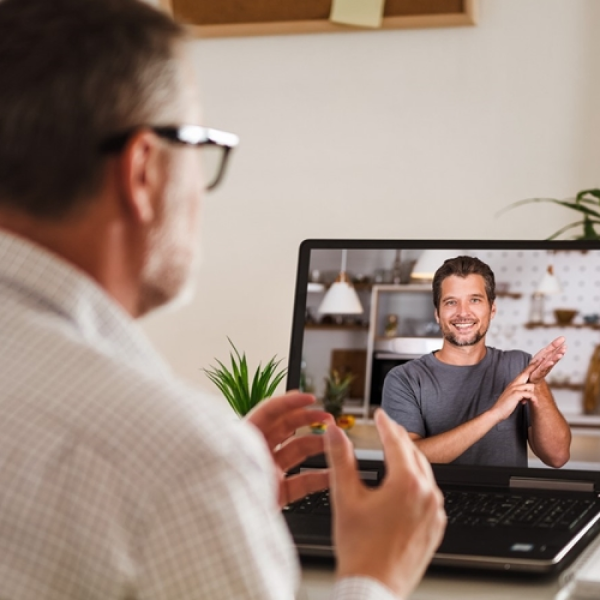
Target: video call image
389, 320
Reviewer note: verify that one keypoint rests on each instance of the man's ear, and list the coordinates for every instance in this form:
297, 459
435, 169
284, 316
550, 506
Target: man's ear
493, 313
141, 176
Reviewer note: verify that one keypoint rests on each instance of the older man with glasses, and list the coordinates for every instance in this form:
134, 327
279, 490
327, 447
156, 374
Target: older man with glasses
117, 480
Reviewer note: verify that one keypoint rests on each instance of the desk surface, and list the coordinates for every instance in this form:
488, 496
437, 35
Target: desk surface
318, 578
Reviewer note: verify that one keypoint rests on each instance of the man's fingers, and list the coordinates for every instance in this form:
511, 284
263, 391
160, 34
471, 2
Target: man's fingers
340, 458
424, 466
282, 428
275, 407
279, 417
398, 448
540, 366
300, 417
523, 376
296, 450
438, 497
285, 424
297, 486
545, 360
522, 395
557, 347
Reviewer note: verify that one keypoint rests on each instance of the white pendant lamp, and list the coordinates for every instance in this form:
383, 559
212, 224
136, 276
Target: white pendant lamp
549, 283
428, 263
548, 286
341, 297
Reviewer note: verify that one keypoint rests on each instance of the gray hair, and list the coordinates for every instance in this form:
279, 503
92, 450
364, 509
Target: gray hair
73, 72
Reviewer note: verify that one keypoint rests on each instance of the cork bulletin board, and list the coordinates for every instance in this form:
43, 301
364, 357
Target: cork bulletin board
220, 18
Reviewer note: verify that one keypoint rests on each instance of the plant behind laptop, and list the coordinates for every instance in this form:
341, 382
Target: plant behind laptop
586, 203
235, 384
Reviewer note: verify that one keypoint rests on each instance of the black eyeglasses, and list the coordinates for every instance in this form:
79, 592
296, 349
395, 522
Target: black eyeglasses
216, 145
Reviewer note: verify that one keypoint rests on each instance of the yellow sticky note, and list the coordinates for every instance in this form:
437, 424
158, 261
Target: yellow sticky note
362, 13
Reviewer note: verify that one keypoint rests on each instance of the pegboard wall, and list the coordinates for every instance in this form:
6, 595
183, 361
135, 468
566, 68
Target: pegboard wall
579, 276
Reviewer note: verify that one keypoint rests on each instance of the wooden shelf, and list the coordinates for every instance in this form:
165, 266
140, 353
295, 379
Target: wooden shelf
333, 326
514, 295
319, 287
595, 326
576, 387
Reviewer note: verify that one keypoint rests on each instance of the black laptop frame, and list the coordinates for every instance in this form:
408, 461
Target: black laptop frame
468, 476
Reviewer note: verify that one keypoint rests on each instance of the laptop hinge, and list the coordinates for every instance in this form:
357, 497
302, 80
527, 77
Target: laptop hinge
551, 484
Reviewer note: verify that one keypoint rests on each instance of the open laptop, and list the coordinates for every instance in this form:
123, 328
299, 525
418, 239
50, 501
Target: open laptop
547, 515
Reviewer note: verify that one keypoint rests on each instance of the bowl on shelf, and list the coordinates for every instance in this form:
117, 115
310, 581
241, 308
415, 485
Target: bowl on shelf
564, 316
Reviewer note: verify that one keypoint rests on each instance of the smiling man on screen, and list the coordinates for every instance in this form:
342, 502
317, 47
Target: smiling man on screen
469, 403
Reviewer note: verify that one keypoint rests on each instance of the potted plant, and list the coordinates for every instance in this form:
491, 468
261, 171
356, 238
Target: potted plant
337, 389
586, 203
241, 393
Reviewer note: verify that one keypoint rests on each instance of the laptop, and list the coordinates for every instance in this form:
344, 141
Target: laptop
527, 518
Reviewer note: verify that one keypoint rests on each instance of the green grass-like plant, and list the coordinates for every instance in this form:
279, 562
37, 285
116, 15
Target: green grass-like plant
586, 202
235, 385
337, 388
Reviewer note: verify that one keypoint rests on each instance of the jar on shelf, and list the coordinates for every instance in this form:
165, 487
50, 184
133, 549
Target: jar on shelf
536, 312
391, 326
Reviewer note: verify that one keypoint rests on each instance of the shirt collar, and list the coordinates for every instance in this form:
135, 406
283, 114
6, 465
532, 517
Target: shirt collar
57, 286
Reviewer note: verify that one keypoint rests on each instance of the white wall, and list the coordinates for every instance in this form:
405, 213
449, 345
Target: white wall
402, 134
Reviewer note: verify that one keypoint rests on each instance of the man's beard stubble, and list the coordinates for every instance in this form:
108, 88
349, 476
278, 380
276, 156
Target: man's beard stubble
452, 339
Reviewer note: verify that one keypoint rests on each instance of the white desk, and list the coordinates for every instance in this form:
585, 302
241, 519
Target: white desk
317, 580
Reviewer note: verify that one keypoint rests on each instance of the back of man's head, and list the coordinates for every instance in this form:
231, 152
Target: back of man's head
463, 266
73, 72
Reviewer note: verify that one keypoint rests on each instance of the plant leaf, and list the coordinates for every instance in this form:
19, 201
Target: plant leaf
586, 202
521, 203
226, 384
276, 381
588, 229
574, 205
240, 384
234, 384
271, 379
565, 229
593, 192
262, 380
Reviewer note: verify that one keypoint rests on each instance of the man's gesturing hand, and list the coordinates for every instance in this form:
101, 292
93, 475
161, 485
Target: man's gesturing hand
543, 362
391, 532
517, 391
523, 387
277, 419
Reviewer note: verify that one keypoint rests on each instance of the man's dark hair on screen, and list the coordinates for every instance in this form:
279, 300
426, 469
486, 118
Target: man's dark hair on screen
463, 266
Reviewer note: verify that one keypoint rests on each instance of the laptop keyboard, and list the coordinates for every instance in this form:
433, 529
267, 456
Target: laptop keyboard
313, 504
489, 509
515, 510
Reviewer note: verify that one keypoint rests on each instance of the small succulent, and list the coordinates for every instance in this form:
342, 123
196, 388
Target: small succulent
235, 385
586, 202
337, 388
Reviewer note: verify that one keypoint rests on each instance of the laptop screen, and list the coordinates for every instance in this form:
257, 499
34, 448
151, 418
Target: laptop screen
364, 307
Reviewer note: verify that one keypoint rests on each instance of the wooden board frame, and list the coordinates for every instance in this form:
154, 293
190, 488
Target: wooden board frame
467, 16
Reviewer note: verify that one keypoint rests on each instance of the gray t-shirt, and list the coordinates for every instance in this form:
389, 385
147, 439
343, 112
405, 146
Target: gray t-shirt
429, 397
